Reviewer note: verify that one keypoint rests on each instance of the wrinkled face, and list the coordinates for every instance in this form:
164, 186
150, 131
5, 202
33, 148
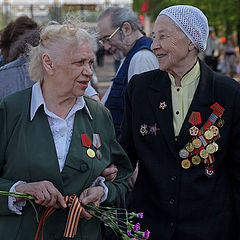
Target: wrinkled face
105, 31
73, 69
170, 45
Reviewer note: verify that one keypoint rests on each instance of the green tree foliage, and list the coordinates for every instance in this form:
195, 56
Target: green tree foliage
224, 15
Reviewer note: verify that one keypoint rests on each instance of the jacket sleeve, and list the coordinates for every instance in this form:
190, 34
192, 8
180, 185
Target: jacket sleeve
5, 184
120, 159
126, 138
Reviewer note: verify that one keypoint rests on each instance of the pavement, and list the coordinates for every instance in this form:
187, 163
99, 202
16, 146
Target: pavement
105, 74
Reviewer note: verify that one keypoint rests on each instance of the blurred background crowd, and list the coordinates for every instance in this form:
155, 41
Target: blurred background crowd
222, 53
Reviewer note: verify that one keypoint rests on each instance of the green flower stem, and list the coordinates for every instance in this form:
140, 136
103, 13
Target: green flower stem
108, 215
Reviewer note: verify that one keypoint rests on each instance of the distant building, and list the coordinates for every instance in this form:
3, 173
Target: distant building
39, 9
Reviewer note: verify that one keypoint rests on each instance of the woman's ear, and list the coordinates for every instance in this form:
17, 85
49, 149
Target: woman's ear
191, 46
47, 63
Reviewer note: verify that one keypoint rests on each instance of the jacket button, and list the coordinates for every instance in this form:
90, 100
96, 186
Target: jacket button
171, 224
57, 236
173, 178
84, 167
172, 201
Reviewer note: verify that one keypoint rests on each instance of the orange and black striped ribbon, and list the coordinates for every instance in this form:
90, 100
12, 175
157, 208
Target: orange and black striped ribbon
72, 219
73, 216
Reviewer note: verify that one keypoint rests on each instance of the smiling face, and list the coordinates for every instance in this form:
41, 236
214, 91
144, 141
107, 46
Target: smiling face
170, 45
72, 70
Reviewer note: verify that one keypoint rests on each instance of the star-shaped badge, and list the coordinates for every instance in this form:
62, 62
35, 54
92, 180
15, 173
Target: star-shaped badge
162, 105
153, 129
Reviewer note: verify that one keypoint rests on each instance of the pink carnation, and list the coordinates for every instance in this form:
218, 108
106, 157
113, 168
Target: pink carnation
136, 227
146, 234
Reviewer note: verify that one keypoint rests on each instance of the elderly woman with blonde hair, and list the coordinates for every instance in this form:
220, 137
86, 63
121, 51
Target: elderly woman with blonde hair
55, 142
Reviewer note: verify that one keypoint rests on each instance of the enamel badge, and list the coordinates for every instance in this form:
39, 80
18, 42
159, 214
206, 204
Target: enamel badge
153, 129
144, 129
162, 105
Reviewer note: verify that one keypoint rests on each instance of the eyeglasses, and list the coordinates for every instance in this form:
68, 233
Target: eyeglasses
108, 38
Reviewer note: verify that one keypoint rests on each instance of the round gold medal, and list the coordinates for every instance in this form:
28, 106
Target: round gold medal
189, 147
208, 135
220, 122
197, 143
196, 160
186, 164
203, 153
211, 148
90, 153
214, 130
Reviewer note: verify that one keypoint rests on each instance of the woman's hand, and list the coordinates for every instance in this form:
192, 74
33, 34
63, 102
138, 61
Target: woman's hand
92, 196
110, 173
44, 192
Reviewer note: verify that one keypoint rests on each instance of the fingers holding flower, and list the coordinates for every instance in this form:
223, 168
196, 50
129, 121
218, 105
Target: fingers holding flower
45, 192
91, 196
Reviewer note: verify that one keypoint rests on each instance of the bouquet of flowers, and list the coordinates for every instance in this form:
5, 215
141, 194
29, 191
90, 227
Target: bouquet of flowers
118, 219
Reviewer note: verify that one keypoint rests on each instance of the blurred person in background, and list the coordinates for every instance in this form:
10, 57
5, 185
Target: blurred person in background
12, 32
14, 75
231, 57
213, 50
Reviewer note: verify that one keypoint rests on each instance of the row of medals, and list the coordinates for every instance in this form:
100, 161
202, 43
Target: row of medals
91, 153
212, 147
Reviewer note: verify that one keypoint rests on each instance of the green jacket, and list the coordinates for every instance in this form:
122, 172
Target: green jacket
27, 153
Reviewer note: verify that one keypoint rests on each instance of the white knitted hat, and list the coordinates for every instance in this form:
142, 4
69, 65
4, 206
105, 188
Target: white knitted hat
191, 21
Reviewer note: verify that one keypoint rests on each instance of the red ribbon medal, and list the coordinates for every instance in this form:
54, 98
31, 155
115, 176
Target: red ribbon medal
195, 118
87, 142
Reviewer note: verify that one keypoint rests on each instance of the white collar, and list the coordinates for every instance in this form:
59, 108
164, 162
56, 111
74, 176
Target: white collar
37, 100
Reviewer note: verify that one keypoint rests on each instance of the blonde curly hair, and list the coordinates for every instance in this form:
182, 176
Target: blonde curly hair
52, 36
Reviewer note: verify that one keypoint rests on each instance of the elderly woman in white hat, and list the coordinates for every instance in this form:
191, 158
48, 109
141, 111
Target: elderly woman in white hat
182, 123
55, 142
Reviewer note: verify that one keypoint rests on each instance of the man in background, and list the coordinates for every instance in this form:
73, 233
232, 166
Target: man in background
121, 34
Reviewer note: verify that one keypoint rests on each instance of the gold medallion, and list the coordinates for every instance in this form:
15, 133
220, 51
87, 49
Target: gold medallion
189, 147
196, 160
197, 143
214, 130
220, 122
210, 149
208, 135
203, 153
90, 153
186, 164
